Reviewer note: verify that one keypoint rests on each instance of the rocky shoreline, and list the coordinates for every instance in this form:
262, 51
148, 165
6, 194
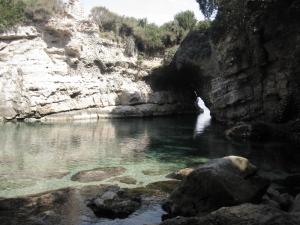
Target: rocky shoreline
225, 191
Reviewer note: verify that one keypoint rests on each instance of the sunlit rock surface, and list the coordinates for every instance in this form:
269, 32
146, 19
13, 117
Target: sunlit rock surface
63, 69
222, 182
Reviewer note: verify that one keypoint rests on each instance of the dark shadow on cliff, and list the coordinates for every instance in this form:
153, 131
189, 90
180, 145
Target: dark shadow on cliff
185, 80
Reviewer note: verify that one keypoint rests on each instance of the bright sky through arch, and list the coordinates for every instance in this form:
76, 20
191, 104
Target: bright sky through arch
157, 11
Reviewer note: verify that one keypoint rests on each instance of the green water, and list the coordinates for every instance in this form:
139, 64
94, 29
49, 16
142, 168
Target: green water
39, 157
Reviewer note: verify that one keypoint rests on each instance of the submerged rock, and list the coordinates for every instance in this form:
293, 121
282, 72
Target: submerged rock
69, 206
115, 203
223, 182
98, 174
151, 172
125, 180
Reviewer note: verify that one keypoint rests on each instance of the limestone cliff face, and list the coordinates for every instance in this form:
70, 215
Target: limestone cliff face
248, 63
62, 69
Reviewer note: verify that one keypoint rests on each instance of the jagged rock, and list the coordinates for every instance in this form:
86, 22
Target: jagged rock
115, 203
282, 201
246, 214
19, 33
97, 174
222, 182
296, 204
73, 49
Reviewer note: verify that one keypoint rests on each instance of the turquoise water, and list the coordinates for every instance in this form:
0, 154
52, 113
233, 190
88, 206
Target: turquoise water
39, 157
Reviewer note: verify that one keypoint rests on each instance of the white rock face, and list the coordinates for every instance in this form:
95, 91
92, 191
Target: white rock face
74, 8
64, 70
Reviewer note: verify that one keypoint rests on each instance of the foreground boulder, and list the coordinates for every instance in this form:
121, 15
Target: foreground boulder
115, 203
180, 174
223, 182
246, 214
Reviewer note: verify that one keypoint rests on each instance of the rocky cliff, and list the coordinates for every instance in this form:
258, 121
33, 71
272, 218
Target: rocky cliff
63, 69
247, 64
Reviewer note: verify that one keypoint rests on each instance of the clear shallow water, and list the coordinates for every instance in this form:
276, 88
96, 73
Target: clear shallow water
146, 215
38, 157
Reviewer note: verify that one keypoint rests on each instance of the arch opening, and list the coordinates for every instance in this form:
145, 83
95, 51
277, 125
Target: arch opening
203, 119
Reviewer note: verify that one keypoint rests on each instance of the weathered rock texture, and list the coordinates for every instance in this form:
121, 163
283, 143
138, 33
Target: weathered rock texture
63, 69
248, 63
246, 214
223, 182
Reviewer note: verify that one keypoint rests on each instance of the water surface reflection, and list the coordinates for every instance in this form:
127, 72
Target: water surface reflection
40, 157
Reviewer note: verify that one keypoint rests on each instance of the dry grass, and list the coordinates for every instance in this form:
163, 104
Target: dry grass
39, 10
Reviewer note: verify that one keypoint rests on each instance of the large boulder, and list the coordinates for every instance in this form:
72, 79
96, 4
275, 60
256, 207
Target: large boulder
246, 214
222, 182
115, 203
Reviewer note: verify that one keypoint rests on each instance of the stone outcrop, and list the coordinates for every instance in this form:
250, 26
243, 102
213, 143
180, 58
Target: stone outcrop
229, 191
223, 182
247, 64
63, 69
246, 214
115, 203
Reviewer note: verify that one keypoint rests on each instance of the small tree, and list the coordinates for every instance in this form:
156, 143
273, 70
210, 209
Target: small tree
41, 10
106, 19
186, 20
143, 22
208, 7
130, 47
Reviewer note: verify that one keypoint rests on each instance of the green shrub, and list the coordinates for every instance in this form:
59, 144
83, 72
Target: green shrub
203, 25
186, 20
41, 10
169, 55
107, 20
11, 13
150, 39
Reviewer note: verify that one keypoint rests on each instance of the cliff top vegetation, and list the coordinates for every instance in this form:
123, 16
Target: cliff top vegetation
13, 12
149, 38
